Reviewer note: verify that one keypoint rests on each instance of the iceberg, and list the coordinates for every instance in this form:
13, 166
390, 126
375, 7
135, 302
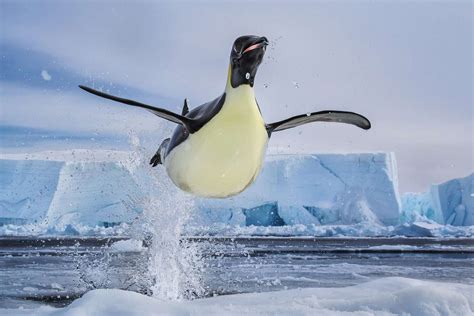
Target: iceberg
87, 189
296, 194
454, 200
94, 194
27, 188
60, 193
448, 203
322, 189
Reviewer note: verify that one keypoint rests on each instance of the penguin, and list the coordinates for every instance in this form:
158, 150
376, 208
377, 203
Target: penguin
218, 148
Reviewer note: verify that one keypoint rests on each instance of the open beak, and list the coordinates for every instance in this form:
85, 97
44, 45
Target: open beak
263, 44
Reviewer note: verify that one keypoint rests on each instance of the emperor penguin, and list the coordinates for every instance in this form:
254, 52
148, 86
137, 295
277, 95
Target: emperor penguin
218, 148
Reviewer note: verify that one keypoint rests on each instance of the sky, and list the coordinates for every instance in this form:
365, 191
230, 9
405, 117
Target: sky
406, 65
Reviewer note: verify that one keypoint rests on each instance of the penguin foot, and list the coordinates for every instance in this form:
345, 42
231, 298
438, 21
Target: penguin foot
157, 159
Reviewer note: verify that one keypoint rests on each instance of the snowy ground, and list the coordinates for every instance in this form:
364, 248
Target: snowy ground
386, 296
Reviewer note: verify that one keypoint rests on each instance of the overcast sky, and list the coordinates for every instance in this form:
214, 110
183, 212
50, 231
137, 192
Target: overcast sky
407, 66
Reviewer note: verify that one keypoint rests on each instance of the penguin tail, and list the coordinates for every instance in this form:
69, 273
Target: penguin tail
185, 108
159, 157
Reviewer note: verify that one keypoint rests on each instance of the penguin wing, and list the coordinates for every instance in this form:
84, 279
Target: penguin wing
322, 116
167, 115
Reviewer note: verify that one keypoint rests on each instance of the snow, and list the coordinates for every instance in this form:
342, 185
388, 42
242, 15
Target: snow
449, 203
385, 296
45, 75
130, 245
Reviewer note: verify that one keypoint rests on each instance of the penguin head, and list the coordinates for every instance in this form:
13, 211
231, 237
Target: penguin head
245, 57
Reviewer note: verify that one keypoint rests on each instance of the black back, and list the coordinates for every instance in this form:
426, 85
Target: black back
199, 117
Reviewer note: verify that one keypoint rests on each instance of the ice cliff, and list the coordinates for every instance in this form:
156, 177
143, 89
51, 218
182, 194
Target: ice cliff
449, 203
292, 189
61, 193
317, 189
88, 188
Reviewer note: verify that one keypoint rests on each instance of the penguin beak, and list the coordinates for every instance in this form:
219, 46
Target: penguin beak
262, 44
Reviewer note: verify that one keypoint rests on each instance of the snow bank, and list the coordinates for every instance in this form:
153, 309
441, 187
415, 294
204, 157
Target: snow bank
89, 188
449, 203
386, 296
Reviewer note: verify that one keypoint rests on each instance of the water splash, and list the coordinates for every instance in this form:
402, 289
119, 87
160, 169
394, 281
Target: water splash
174, 264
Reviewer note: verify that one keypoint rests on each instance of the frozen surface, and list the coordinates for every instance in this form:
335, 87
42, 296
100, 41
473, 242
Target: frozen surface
386, 296
450, 203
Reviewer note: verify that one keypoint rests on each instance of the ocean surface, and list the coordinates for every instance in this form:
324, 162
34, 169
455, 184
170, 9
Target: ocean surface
56, 270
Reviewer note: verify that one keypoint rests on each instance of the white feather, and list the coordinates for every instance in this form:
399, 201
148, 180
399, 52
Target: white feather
226, 154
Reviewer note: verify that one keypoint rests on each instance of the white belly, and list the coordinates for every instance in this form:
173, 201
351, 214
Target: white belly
224, 156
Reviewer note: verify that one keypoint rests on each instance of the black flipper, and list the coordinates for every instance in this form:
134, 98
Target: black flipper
159, 157
322, 116
185, 108
167, 115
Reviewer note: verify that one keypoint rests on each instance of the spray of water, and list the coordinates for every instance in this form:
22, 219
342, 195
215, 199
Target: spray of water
174, 264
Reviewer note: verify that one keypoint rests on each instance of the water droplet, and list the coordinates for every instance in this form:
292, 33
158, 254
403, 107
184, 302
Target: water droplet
247, 76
